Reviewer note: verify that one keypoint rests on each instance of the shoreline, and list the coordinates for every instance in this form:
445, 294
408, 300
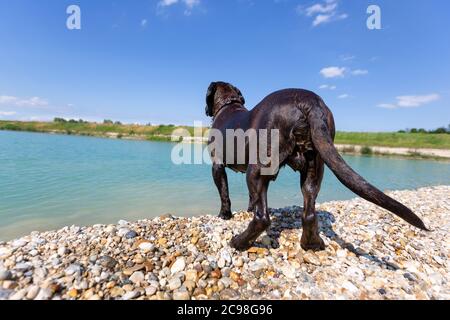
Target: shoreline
370, 254
348, 149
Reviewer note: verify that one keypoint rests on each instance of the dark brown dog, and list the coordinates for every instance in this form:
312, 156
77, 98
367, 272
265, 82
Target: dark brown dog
306, 135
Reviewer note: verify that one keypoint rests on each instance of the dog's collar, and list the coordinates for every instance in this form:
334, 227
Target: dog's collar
227, 103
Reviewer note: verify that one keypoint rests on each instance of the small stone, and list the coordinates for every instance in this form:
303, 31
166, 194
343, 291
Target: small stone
162, 241
19, 295
137, 277
5, 275
62, 251
234, 276
228, 294
239, 262
191, 275
190, 285
32, 292
131, 295
110, 229
216, 274
146, 247
350, 287
73, 293
288, 271
117, 292
410, 277
107, 262
150, 291
131, 234
22, 267
438, 260
178, 266
19, 243
72, 269
174, 283
311, 258
221, 263
266, 241
44, 294
340, 253
355, 273
130, 271
181, 295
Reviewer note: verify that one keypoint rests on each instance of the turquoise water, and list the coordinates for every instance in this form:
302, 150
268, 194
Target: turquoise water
49, 181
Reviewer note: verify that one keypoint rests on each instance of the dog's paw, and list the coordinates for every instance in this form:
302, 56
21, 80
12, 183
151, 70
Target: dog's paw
240, 244
226, 215
314, 245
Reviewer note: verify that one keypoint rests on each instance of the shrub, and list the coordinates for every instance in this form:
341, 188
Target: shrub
11, 127
366, 150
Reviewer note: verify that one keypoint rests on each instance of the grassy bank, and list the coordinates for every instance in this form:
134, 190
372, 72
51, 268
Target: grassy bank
116, 130
395, 140
163, 132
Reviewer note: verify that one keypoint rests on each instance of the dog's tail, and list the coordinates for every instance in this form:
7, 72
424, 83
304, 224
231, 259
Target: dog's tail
323, 143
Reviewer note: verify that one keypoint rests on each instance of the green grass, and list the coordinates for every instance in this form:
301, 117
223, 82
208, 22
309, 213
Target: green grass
387, 139
163, 132
95, 129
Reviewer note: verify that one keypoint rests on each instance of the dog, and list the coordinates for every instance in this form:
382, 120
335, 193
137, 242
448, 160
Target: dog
306, 143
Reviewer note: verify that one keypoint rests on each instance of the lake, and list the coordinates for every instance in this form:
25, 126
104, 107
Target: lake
50, 181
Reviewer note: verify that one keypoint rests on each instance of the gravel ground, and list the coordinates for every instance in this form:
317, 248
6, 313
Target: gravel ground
370, 254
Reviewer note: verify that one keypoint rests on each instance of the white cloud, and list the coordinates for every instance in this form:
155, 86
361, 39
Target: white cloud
167, 3
326, 86
328, 7
144, 23
19, 102
360, 72
347, 57
324, 12
387, 105
412, 101
333, 72
343, 96
7, 113
321, 18
416, 101
189, 4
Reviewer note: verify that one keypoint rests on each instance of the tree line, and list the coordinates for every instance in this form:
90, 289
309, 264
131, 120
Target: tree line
439, 130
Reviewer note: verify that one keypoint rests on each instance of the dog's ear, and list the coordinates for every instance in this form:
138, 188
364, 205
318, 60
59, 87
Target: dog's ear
240, 95
210, 99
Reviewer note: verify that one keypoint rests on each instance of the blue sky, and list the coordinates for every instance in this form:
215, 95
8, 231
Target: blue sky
152, 61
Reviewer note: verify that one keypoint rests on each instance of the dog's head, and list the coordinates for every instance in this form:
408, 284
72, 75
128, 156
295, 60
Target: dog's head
221, 94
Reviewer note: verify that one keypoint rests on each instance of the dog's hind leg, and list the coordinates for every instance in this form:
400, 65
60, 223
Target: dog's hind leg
221, 181
311, 178
251, 204
257, 185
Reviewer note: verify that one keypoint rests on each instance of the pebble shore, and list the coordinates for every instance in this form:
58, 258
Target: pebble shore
370, 254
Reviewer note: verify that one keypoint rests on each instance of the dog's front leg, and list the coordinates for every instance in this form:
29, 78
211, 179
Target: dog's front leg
221, 181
